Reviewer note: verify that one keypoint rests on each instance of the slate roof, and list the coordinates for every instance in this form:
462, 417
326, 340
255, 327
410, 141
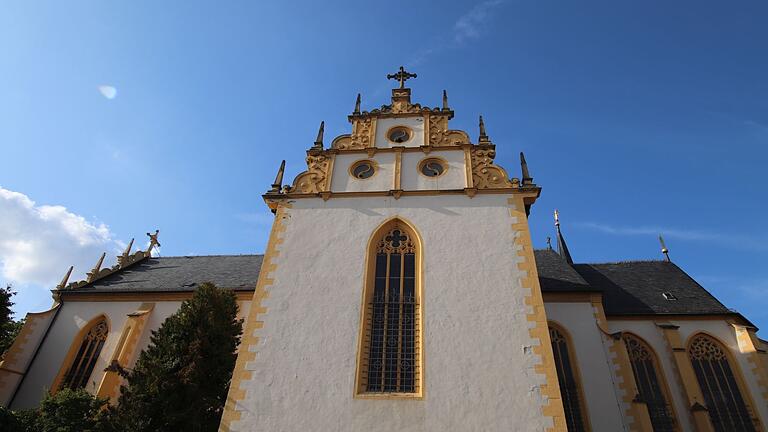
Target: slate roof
628, 288
165, 274
555, 275
637, 287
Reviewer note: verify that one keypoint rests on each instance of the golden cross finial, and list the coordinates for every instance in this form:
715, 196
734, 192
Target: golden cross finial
401, 76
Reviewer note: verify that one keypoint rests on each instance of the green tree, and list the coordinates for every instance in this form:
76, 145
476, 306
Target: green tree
8, 327
66, 411
180, 381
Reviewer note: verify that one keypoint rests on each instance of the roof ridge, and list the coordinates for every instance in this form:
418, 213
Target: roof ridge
208, 256
624, 262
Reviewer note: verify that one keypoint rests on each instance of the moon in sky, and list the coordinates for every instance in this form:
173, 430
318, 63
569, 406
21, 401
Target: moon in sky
108, 91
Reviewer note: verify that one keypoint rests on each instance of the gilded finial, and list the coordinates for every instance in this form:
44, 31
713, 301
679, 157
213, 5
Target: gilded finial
278, 184
664, 249
445, 100
152, 241
527, 179
357, 105
319, 140
95, 271
123, 258
557, 218
483, 135
401, 76
64, 281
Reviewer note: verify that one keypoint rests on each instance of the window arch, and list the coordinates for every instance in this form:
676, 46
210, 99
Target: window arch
390, 348
81, 367
650, 383
567, 376
727, 408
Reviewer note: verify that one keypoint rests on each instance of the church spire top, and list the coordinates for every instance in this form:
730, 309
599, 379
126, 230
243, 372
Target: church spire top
401, 76
562, 248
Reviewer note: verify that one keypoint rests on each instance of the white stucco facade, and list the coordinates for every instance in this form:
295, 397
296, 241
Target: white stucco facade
724, 333
71, 318
478, 369
596, 370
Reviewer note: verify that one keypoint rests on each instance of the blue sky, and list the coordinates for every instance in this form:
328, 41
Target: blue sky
636, 118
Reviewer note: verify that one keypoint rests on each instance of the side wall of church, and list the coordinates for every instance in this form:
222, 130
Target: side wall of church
724, 332
594, 364
74, 316
479, 367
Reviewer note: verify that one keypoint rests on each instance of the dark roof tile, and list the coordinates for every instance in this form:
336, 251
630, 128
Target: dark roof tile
238, 272
638, 287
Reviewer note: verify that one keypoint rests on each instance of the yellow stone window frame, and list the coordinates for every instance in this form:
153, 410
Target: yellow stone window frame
74, 348
425, 161
374, 166
574, 363
365, 323
738, 376
660, 374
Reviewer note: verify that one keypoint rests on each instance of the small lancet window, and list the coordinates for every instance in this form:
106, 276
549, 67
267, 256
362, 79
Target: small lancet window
566, 376
649, 385
82, 366
725, 404
390, 349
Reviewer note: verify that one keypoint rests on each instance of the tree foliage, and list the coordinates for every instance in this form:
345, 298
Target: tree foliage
8, 327
180, 381
66, 411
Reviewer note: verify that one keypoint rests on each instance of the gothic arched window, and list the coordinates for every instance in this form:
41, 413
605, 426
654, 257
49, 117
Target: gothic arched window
650, 383
85, 359
727, 408
390, 349
567, 377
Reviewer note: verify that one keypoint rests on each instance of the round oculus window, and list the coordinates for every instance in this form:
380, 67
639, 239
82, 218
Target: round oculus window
432, 167
362, 169
399, 134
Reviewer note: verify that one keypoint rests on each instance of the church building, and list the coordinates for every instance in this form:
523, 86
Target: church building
400, 290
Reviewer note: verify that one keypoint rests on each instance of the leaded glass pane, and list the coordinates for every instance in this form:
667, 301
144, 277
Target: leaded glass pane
569, 389
392, 314
82, 366
648, 384
725, 404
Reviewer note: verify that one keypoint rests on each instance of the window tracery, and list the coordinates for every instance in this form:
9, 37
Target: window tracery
649, 385
82, 366
566, 376
390, 353
725, 404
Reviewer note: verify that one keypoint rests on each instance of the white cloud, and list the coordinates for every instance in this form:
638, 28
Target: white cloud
723, 239
39, 242
108, 91
470, 25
